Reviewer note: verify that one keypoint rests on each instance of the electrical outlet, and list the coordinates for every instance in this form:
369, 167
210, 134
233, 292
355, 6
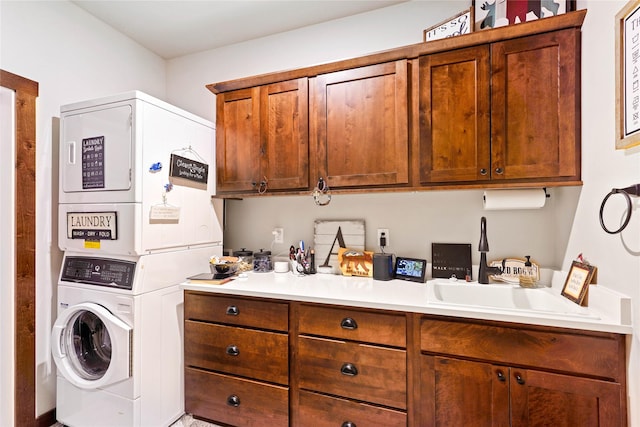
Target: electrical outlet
278, 235
381, 232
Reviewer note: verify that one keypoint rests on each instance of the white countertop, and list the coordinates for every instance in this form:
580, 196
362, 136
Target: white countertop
608, 310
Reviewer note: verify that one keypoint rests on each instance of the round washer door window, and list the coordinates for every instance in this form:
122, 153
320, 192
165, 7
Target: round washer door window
88, 345
91, 346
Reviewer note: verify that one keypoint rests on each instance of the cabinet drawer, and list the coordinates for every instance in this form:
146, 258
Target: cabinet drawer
358, 371
235, 401
324, 411
246, 352
354, 325
237, 311
525, 346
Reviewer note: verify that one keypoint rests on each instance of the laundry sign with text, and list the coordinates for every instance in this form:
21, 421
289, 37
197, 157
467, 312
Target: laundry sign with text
188, 172
92, 225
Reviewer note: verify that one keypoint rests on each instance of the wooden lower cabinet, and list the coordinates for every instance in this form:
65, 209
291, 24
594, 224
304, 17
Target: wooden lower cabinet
476, 394
489, 374
235, 401
261, 362
329, 411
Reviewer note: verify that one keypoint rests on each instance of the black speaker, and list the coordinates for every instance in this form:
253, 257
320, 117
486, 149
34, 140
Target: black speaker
382, 266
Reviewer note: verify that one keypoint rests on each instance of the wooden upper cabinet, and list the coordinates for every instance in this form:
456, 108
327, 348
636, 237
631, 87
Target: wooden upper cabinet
262, 138
238, 140
284, 118
360, 132
535, 107
454, 116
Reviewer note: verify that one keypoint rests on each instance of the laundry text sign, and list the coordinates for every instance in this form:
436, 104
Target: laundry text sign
92, 225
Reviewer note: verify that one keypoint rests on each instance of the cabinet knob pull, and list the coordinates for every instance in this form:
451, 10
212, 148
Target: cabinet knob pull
233, 350
483, 171
501, 376
348, 424
349, 369
519, 379
233, 400
499, 171
349, 323
232, 310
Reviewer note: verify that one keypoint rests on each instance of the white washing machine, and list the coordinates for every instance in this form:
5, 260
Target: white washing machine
118, 338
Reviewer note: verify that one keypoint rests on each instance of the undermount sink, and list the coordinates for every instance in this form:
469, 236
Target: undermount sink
504, 297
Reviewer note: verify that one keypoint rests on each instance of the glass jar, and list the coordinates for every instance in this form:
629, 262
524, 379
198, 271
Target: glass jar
244, 255
262, 261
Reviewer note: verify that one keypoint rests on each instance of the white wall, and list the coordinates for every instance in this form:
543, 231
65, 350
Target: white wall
73, 57
554, 235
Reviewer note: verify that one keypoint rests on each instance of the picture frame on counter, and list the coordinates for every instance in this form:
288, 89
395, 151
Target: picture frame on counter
459, 24
499, 13
577, 283
627, 39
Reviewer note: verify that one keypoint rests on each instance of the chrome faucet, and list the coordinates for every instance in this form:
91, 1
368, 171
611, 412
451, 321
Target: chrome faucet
483, 247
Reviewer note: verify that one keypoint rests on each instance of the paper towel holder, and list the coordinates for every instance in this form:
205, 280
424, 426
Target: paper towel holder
505, 190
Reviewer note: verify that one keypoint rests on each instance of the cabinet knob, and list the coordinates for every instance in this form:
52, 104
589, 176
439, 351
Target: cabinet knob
233, 400
349, 323
349, 369
483, 171
232, 310
348, 424
233, 350
519, 379
499, 171
501, 376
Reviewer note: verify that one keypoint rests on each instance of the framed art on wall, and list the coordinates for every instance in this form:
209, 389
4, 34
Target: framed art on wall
627, 38
498, 13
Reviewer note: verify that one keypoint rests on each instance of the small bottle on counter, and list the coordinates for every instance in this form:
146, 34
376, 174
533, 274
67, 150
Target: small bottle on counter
528, 277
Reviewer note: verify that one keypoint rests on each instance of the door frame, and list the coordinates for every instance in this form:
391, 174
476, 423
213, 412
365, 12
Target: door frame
26, 92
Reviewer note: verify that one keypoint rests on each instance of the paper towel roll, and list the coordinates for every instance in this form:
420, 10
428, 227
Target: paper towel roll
528, 198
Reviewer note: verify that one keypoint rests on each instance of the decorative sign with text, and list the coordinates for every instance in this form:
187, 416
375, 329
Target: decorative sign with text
93, 162
92, 225
188, 172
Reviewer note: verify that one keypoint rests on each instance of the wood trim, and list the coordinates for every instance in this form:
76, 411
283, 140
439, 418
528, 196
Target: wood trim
26, 92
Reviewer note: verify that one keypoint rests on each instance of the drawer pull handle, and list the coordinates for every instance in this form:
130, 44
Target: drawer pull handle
348, 323
348, 424
232, 310
501, 376
519, 379
233, 350
233, 400
349, 369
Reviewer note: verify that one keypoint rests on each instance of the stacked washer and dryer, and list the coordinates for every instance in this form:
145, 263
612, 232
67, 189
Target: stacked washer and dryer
135, 218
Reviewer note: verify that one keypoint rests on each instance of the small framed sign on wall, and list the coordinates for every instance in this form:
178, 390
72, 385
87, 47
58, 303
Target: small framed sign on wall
457, 25
627, 38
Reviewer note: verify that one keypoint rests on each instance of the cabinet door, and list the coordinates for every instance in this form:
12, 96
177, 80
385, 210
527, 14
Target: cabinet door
454, 116
535, 107
362, 126
540, 398
463, 393
284, 131
238, 140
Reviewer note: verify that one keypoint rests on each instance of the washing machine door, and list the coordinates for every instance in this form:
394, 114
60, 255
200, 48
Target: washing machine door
91, 346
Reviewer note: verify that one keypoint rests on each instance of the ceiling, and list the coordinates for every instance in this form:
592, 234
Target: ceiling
174, 28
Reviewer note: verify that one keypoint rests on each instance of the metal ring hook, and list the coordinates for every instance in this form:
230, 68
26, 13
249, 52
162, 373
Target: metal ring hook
633, 190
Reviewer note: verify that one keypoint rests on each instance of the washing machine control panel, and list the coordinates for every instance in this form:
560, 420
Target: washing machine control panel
113, 273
